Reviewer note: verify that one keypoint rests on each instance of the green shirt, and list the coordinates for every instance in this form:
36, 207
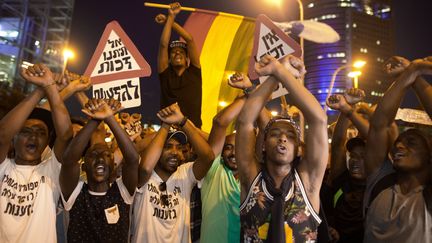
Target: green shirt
220, 196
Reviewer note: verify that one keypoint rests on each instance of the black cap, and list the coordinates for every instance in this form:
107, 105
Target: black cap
177, 43
354, 142
177, 135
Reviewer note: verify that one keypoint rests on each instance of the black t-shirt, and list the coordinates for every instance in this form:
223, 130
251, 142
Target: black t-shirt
185, 89
88, 222
348, 212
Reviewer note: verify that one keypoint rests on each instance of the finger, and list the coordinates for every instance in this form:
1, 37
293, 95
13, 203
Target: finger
88, 113
30, 71
38, 70
159, 116
164, 112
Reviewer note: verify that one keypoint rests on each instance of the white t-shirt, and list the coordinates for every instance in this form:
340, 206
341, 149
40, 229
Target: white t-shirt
28, 201
152, 221
127, 198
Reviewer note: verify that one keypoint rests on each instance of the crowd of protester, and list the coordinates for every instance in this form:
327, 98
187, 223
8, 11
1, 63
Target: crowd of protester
63, 181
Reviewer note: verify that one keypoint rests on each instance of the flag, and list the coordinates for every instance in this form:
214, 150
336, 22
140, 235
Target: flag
225, 43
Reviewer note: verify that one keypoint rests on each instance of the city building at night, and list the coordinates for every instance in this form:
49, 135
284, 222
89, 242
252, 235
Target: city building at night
367, 33
32, 31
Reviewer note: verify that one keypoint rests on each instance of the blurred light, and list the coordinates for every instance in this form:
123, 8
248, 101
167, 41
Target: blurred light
26, 64
310, 5
275, 2
274, 113
37, 43
354, 74
108, 140
385, 10
359, 64
67, 53
222, 104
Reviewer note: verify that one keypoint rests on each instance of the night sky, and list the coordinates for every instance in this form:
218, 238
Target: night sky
412, 26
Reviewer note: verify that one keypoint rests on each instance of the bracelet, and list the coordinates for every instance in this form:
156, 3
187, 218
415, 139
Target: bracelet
46, 86
249, 90
183, 121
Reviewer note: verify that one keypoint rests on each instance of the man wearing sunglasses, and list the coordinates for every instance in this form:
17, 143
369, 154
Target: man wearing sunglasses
161, 211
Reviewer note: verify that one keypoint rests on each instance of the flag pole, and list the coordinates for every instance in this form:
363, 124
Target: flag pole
158, 5
166, 6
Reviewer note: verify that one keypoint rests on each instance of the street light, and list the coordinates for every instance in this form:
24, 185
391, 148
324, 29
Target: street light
355, 75
67, 54
356, 64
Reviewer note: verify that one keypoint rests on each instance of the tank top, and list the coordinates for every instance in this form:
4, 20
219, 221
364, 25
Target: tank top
301, 220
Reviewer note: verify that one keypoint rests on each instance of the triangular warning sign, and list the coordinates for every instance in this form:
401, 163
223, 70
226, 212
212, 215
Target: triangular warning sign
269, 39
116, 57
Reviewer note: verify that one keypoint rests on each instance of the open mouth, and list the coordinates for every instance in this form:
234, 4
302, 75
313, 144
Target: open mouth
31, 147
281, 149
173, 162
398, 155
355, 169
231, 159
100, 169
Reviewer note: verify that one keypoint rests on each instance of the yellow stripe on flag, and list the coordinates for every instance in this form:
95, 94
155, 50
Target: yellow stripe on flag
213, 62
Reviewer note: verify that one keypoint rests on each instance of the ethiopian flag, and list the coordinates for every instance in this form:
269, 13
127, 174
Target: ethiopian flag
225, 42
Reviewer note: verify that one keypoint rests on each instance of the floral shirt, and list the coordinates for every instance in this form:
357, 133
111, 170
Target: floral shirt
301, 221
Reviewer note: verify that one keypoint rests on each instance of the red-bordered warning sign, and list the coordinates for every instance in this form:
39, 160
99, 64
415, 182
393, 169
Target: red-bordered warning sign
116, 57
270, 39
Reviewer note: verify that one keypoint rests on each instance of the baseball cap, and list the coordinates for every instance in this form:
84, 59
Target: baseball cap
177, 43
177, 135
354, 142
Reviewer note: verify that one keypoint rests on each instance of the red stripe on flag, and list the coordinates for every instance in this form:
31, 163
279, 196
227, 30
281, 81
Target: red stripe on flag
198, 25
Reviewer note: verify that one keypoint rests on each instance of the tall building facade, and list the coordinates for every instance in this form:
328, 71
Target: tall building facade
367, 33
32, 31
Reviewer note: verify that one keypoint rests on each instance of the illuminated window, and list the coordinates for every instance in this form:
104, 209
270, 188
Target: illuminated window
363, 50
385, 10
346, 5
354, 25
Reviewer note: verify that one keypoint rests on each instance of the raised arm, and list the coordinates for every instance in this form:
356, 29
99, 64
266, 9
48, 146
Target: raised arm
423, 91
127, 148
75, 87
379, 137
63, 127
163, 59
14, 120
337, 159
192, 48
151, 154
70, 169
248, 167
313, 166
173, 115
352, 97
222, 120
